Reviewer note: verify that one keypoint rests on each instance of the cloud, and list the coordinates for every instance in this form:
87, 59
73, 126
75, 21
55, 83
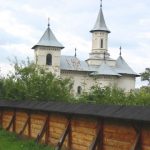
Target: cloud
5, 69
24, 22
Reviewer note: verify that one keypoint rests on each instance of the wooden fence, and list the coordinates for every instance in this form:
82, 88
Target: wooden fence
75, 131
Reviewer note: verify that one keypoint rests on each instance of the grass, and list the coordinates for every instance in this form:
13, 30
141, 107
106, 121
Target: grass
10, 141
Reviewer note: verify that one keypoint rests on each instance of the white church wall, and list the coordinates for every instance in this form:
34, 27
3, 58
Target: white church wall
127, 83
78, 79
86, 81
98, 62
96, 40
111, 63
41, 54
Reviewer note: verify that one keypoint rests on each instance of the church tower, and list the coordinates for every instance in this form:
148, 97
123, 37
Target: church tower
48, 51
99, 40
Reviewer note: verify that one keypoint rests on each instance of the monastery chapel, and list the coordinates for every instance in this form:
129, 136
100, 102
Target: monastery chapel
98, 69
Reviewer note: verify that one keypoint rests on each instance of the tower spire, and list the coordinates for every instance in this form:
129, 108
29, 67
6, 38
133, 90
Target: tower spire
48, 22
100, 24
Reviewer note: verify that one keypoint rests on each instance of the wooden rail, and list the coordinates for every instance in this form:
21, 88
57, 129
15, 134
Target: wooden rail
62, 139
77, 132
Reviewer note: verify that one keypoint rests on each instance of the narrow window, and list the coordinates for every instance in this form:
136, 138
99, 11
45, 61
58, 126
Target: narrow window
102, 43
79, 89
49, 59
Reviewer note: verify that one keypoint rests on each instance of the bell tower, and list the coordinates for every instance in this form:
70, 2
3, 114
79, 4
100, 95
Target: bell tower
99, 40
48, 51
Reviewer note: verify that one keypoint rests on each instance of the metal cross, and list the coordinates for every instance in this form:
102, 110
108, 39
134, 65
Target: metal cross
48, 22
101, 3
75, 52
120, 50
104, 56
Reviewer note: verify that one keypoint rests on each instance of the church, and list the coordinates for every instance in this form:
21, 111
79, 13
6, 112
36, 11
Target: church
98, 69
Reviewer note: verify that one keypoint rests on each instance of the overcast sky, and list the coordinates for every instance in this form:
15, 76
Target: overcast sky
22, 23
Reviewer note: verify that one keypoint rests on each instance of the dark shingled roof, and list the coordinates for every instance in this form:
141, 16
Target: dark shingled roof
134, 113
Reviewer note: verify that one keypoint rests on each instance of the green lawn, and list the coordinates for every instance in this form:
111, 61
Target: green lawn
9, 141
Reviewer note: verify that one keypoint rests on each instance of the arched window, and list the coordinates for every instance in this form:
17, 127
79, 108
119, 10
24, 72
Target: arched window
79, 89
49, 59
102, 43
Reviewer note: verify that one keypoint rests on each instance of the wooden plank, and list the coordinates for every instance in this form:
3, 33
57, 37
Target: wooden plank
58, 125
109, 147
119, 129
7, 116
145, 138
86, 137
62, 139
56, 130
78, 147
29, 125
136, 145
145, 148
84, 130
81, 141
92, 124
97, 142
120, 137
12, 122
1, 118
38, 117
116, 144
47, 134
43, 130
25, 125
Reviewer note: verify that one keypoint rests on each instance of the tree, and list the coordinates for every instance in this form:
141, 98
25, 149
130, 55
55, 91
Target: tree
115, 96
145, 76
30, 82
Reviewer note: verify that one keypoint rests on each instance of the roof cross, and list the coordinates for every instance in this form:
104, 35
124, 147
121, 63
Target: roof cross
48, 22
120, 50
101, 3
105, 56
75, 52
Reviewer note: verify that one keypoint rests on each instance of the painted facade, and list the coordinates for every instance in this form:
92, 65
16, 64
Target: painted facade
98, 69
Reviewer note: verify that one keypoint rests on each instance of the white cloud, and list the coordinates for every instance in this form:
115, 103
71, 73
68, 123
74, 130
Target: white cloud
11, 25
71, 21
5, 68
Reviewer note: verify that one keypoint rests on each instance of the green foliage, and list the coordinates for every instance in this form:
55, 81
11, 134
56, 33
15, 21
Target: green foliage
29, 82
10, 141
145, 76
116, 96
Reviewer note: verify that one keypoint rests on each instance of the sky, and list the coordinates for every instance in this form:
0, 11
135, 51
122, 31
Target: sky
22, 23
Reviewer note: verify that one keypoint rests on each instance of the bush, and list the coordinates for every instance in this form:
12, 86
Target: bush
116, 96
29, 82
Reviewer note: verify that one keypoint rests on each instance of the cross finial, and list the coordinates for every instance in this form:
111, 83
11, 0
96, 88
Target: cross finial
48, 22
101, 2
75, 52
120, 50
104, 56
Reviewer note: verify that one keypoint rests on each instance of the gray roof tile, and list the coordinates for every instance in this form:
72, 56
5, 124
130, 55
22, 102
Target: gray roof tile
72, 63
123, 68
48, 39
104, 69
100, 24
